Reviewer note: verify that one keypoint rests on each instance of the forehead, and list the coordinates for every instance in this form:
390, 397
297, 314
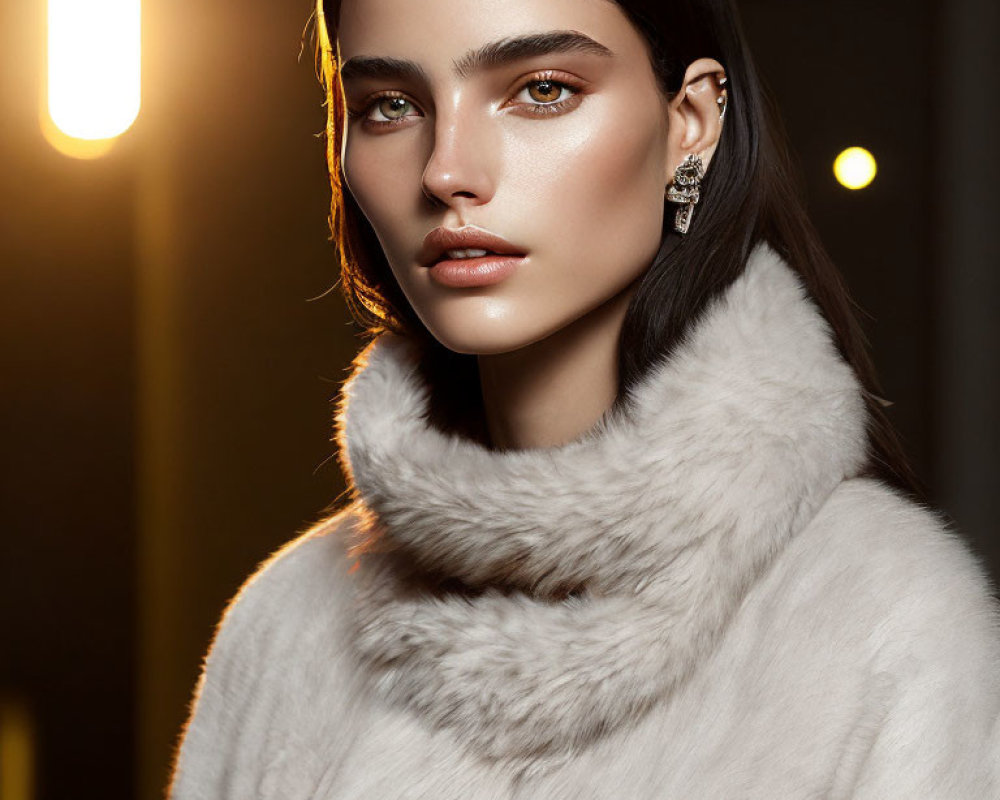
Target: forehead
432, 31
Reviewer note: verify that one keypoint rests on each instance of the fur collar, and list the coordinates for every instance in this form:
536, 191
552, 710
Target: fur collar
598, 573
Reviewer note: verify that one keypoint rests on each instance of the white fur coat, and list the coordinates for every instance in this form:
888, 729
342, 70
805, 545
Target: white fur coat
696, 600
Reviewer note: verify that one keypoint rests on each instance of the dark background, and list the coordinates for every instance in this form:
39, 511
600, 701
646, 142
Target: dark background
167, 374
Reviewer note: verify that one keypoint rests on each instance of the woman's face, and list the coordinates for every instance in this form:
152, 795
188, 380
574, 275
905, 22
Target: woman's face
557, 144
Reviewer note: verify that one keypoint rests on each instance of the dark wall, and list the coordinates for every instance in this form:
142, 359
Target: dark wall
852, 73
67, 486
920, 247
238, 362
167, 378
967, 177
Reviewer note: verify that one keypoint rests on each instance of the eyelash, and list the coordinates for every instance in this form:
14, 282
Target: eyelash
542, 109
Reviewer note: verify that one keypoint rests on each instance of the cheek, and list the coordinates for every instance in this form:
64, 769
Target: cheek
595, 193
614, 181
379, 179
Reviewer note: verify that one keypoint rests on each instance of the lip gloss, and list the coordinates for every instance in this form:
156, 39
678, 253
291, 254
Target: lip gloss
470, 272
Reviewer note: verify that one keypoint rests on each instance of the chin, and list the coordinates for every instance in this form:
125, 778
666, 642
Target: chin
481, 344
486, 336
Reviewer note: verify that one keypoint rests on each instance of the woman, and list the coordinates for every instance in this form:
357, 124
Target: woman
627, 519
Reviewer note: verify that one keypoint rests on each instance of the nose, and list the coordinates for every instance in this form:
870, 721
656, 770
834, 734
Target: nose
459, 168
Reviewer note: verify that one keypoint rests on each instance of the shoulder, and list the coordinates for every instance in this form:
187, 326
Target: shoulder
279, 637
908, 556
302, 584
902, 595
899, 571
301, 570
888, 584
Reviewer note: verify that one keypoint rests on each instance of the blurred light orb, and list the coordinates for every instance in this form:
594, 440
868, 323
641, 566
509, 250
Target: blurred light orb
855, 168
94, 74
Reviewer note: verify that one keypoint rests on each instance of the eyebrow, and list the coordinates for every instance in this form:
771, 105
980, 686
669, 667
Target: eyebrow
489, 56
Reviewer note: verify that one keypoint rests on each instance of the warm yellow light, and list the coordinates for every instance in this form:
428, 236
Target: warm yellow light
93, 67
71, 146
855, 168
17, 750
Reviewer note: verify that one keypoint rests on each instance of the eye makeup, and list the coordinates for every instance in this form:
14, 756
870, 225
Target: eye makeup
568, 89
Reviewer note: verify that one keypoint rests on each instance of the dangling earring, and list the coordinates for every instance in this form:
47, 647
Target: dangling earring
684, 190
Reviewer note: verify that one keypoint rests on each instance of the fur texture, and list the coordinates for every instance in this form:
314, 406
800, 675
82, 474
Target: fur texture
695, 599
658, 515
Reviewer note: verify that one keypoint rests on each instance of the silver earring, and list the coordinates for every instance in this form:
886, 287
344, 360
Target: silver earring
722, 101
685, 190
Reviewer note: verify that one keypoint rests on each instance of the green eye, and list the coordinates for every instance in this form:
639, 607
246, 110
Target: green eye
392, 107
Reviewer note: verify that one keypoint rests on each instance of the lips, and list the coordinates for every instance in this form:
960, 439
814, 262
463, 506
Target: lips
478, 271
440, 240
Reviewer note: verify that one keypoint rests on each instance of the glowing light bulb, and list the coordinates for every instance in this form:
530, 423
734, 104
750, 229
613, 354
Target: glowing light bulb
855, 168
94, 76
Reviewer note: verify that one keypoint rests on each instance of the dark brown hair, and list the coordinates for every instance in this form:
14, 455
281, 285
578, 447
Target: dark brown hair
751, 192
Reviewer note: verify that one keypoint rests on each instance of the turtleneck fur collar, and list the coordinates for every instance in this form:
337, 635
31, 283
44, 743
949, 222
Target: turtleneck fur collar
599, 572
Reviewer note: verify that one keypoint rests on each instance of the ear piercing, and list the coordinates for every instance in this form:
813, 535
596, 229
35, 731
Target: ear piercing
722, 101
685, 190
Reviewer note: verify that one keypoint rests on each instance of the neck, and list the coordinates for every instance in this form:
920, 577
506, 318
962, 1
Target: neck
551, 391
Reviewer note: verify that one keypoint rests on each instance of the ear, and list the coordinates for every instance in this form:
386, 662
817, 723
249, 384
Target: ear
693, 114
